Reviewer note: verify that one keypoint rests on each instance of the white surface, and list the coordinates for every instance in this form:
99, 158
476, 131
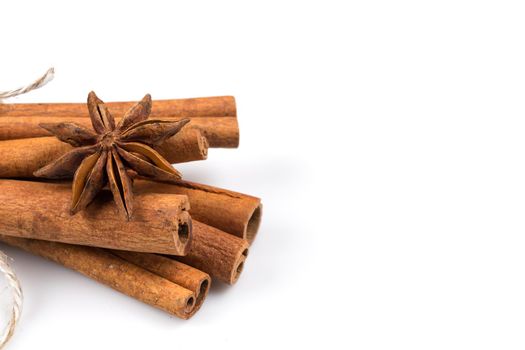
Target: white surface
386, 139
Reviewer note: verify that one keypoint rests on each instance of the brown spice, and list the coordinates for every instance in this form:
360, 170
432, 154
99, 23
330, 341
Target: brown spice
236, 213
215, 117
22, 157
117, 273
188, 145
200, 107
104, 155
216, 252
175, 271
40, 210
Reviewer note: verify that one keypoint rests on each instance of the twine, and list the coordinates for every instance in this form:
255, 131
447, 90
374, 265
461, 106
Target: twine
16, 291
43, 80
5, 267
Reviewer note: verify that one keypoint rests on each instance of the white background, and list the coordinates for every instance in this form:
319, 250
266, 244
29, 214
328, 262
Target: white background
386, 139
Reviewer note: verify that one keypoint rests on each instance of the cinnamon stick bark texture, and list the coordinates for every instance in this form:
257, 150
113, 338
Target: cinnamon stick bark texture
160, 224
117, 273
22, 157
184, 275
236, 213
216, 252
188, 145
216, 106
215, 117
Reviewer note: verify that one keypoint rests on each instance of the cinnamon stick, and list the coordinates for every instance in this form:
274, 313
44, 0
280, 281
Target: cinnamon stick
22, 157
160, 224
216, 252
215, 117
184, 275
188, 145
236, 213
117, 273
216, 106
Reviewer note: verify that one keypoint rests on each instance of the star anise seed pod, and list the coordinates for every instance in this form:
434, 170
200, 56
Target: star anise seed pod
108, 154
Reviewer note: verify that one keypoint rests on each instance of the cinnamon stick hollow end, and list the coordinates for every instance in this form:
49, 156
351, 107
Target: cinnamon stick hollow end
184, 275
182, 236
252, 226
232, 212
217, 253
239, 266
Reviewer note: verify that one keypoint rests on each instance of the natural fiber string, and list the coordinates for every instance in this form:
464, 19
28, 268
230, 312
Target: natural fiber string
5, 267
43, 80
16, 291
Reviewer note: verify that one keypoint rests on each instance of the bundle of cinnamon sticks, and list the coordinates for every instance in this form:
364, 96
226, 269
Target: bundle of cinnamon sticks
181, 236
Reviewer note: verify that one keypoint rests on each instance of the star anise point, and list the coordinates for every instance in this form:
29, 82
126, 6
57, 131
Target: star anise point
107, 155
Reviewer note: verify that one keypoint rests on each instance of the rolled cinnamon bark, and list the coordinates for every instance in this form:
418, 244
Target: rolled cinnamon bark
160, 223
215, 106
236, 213
184, 275
215, 117
22, 157
216, 252
117, 273
188, 145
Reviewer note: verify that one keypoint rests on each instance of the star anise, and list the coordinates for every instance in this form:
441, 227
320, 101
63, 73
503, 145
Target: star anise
106, 155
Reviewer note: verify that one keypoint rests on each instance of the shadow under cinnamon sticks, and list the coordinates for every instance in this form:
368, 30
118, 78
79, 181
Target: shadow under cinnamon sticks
166, 284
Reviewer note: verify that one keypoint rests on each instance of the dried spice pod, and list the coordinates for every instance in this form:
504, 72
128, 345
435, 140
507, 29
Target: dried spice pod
232, 212
184, 275
103, 155
216, 252
115, 272
22, 157
41, 210
215, 117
